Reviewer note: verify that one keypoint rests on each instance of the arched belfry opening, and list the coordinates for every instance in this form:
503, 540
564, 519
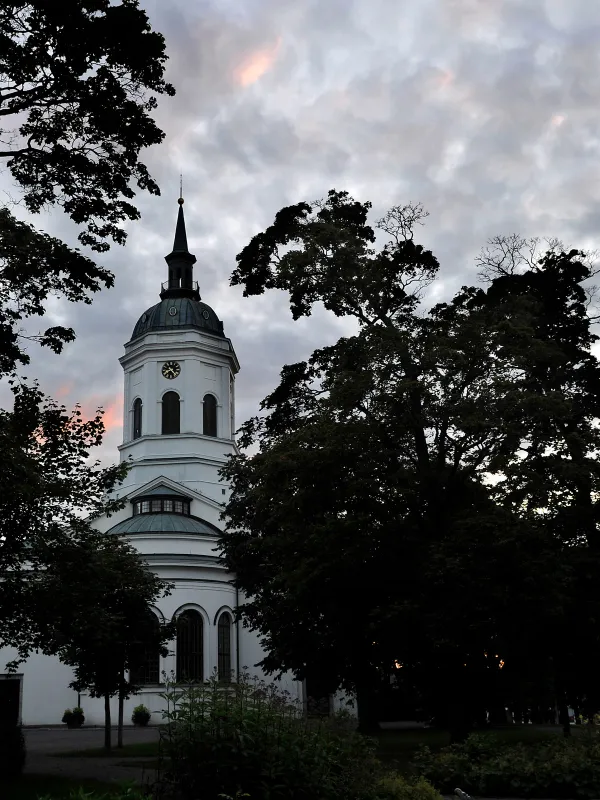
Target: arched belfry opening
209, 415
171, 413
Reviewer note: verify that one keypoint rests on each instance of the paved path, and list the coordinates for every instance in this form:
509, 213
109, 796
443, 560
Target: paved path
42, 743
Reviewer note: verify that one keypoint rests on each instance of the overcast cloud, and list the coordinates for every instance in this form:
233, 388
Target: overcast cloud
484, 111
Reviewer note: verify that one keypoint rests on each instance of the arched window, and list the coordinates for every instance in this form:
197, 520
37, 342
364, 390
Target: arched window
170, 413
190, 650
137, 419
224, 647
147, 670
209, 421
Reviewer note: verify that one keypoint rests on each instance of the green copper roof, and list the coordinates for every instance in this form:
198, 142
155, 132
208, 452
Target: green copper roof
188, 313
163, 523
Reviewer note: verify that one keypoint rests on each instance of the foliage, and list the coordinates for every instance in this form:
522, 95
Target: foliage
373, 461
13, 752
248, 736
50, 491
75, 84
141, 715
73, 716
124, 791
101, 624
485, 766
76, 99
393, 786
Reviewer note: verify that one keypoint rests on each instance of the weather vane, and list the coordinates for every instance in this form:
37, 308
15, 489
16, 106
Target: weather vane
180, 201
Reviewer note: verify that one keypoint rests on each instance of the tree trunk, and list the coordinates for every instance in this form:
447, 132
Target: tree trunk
368, 718
459, 723
120, 722
107, 737
121, 702
563, 716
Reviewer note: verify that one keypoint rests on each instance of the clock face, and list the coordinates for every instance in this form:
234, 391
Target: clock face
171, 369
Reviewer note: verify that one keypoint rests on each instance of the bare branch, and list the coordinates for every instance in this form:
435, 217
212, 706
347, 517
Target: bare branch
399, 221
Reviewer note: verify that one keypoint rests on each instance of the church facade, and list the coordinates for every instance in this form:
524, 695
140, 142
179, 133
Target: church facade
178, 428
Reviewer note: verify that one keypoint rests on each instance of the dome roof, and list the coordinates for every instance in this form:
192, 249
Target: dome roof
187, 313
163, 523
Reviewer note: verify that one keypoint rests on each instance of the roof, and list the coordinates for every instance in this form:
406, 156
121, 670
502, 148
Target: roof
164, 523
187, 313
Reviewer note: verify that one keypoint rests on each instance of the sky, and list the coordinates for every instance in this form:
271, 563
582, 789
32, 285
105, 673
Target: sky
485, 111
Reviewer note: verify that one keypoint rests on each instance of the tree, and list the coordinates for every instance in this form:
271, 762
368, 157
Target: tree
49, 494
92, 606
366, 530
75, 84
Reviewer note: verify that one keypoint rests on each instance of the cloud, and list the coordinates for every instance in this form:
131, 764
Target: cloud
254, 66
485, 112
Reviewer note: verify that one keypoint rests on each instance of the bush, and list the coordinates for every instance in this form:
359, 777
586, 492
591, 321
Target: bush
484, 765
141, 715
396, 787
248, 737
73, 717
12, 752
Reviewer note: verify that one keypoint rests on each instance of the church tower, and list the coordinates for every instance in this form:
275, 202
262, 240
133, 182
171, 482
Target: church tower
179, 415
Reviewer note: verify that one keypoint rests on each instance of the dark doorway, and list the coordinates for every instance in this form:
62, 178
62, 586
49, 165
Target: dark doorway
10, 694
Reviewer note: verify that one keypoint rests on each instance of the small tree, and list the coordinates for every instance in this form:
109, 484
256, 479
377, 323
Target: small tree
98, 594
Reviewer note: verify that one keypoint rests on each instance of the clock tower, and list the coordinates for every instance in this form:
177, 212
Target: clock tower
180, 372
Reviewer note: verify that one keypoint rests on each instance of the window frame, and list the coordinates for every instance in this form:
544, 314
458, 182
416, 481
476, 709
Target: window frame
170, 414
210, 424
224, 647
162, 505
193, 639
138, 418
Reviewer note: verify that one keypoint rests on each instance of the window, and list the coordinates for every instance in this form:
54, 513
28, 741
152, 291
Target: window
148, 671
137, 419
224, 647
190, 651
209, 421
170, 413
156, 504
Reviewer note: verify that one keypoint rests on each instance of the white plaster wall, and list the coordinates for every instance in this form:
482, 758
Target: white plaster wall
45, 692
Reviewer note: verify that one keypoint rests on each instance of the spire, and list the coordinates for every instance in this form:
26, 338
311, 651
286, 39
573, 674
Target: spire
180, 261
180, 244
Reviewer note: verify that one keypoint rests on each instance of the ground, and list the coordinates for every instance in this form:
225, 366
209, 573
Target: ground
44, 743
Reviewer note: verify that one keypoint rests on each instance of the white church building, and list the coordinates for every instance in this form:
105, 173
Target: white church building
178, 427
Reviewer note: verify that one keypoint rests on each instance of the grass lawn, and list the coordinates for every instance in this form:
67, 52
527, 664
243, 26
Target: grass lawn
134, 750
397, 748
30, 787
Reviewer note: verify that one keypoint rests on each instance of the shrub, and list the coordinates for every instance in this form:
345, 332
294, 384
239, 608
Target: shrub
141, 715
73, 717
12, 752
249, 737
396, 787
484, 765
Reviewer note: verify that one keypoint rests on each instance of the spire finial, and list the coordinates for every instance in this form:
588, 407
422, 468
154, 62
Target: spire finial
180, 201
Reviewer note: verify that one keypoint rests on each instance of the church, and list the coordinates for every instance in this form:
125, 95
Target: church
178, 428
